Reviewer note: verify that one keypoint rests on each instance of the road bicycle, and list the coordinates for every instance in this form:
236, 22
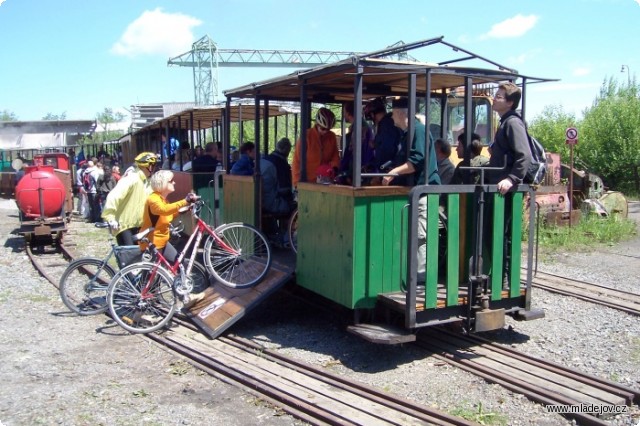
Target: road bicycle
142, 297
83, 285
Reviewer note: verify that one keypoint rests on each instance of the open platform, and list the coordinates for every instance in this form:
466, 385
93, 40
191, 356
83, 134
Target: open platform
398, 300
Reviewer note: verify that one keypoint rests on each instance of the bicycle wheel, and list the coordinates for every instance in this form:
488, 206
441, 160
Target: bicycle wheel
83, 285
242, 257
293, 231
200, 277
141, 297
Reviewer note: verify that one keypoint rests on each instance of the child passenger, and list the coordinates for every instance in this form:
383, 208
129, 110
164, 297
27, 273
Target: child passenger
159, 213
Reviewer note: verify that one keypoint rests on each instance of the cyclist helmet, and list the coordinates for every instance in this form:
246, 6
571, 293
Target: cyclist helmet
146, 159
325, 118
373, 107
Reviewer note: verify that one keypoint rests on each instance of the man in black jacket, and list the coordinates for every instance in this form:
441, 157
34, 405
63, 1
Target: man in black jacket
511, 143
510, 149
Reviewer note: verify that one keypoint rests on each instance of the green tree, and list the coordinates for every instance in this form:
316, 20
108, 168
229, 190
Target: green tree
6, 115
610, 136
550, 127
52, 117
105, 119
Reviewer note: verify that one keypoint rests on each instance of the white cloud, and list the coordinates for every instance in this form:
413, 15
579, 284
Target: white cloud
157, 33
512, 27
581, 71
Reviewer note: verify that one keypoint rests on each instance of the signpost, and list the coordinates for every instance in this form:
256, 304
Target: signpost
572, 139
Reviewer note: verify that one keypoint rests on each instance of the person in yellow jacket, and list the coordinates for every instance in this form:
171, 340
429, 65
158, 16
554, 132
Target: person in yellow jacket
322, 147
159, 213
125, 203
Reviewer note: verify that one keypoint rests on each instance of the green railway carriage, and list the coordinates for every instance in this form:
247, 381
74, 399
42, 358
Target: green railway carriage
357, 244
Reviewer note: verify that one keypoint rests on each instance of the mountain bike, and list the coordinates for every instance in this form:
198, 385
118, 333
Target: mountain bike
142, 297
83, 285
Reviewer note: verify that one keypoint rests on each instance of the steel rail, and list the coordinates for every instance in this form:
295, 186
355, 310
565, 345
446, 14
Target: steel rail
383, 398
437, 342
590, 292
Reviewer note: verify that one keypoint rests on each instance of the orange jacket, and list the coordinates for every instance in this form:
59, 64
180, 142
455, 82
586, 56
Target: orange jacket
158, 206
320, 150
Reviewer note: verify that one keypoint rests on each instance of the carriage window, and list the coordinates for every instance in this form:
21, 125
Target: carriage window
481, 123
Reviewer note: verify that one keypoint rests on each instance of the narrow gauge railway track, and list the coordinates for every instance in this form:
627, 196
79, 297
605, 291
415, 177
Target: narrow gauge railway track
51, 262
590, 292
305, 392
539, 380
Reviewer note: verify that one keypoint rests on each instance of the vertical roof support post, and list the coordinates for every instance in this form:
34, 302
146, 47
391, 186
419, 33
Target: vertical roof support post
241, 126
524, 97
286, 125
166, 134
275, 131
304, 118
356, 138
265, 124
427, 123
411, 119
226, 132
257, 216
468, 126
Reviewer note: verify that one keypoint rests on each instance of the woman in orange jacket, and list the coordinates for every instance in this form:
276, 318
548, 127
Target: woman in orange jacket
322, 147
159, 213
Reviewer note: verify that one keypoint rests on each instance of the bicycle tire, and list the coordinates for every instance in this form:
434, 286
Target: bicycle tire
83, 285
292, 233
244, 269
137, 313
200, 277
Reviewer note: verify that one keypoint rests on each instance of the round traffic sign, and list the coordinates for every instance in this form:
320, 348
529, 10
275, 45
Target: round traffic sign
571, 133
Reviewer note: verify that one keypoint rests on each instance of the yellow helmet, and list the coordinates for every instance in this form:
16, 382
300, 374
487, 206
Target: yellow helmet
146, 159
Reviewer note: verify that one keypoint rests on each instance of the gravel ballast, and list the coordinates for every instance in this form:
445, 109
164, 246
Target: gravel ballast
64, 369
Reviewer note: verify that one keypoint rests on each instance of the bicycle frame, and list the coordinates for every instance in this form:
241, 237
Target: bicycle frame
195, 239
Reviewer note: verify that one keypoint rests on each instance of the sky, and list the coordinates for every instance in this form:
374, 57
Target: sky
79, 57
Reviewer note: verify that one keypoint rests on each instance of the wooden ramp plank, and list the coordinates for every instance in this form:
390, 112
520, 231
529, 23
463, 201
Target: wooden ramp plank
223, 306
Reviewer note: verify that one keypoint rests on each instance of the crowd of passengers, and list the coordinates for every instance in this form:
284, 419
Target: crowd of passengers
139, 197
383, 142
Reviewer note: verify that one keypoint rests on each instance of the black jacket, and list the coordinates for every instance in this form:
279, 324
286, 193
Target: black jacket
511, 141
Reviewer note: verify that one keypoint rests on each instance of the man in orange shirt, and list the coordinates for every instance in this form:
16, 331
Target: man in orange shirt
322, 147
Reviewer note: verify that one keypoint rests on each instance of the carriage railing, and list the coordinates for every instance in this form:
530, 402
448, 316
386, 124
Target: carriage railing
457, 249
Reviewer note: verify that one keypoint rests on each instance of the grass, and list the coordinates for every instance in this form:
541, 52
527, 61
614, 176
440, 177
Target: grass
590, 232
480, 416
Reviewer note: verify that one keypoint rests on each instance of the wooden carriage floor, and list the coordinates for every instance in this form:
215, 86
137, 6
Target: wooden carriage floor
223, 306
398, 300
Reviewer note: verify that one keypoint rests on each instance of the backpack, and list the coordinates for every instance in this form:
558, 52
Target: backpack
87, 181
538, 167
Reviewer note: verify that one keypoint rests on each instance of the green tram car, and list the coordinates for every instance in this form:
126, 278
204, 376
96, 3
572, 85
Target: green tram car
357, 245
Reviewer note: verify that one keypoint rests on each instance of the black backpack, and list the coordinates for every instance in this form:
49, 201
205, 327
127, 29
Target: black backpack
538, 167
